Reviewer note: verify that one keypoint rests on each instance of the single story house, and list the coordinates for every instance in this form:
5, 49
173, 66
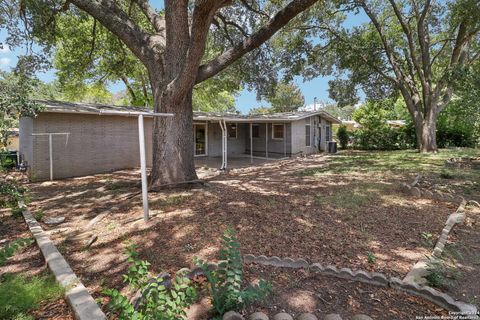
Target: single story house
78, 139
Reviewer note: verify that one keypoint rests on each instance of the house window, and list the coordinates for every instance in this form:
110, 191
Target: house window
232, 130
327, 133
255, 131
307, 135
277, 132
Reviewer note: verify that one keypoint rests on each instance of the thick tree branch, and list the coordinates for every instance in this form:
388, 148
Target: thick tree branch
117, 21
158, 22
256, 40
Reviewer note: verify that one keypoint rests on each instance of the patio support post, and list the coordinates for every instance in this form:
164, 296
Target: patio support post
226, 144
284, 140
266, 140
223, 166
143, 166
251, 142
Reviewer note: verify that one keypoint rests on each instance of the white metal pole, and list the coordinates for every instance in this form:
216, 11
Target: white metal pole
226, 143
50, 155
251, 143
266, 140
284, 140
143, 166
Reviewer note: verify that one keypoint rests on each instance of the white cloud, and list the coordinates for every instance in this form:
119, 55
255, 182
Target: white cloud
5, 61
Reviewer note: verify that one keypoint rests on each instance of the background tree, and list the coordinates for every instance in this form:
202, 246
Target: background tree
170, 45
417, 48
286, 97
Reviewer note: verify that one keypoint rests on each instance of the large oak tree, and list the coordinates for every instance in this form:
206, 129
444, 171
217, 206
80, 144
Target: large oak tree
170, 44
419, 48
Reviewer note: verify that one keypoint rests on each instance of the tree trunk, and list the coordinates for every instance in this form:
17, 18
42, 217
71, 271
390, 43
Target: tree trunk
173, 145
426, 131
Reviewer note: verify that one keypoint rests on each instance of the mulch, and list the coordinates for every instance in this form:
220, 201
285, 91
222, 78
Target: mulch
29, 261
272, 208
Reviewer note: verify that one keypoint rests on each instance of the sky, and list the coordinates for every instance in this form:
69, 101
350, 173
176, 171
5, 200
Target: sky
246, 100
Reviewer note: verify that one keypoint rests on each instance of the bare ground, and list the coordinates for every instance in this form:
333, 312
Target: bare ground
284, 208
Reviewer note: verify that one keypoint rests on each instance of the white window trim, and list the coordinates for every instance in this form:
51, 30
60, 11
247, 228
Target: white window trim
236, 131
273, 131
309, 135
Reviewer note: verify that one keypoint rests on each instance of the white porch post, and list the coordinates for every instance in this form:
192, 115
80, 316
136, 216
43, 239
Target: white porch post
226, 143
251, 143
50, 155
143, 166
266, 140
284, 140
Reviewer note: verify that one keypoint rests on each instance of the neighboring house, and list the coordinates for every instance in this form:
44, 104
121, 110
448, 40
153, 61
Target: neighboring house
85, 141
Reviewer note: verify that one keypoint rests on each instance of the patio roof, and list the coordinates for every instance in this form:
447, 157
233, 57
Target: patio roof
99, 109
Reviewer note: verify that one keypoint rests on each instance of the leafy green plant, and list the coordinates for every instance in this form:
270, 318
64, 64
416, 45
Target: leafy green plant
159, 299
343, 136
371, 257
441, 274
427, 239
19, 294
12, 247
11, 193
225, 283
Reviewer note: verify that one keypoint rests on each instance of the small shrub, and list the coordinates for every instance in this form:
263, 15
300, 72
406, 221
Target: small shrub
371, 257
10, 249
225, 283
440, 274
11, 193
158, 300
343, 136
446, 175
427, 239
19, 295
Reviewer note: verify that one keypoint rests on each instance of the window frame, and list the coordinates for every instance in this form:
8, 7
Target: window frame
308, 132
282, 125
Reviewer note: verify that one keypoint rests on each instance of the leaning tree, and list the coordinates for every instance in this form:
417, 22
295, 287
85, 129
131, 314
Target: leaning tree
418, 48
170, 43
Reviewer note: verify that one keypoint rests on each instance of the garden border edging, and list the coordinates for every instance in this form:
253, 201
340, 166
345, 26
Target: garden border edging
374, 278
81, 302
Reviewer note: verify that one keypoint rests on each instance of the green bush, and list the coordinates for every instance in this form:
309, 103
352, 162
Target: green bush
19, 294
225, 283
381, 138
158, 301
343, 136
10, 249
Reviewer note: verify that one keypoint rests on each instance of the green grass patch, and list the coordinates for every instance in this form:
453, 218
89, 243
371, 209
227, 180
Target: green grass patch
170, 201
403, 161
20, 295
351, 197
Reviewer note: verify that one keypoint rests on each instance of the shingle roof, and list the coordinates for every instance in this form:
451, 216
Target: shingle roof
89, 108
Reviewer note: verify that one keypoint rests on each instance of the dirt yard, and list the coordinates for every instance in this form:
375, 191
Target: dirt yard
348, 210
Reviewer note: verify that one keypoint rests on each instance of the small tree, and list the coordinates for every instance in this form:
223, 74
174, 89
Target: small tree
343, 136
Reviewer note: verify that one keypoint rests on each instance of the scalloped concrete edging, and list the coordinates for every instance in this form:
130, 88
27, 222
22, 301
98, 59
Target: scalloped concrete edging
81, 302
374, 278
232, 315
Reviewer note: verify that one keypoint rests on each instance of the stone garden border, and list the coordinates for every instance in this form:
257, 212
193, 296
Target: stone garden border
378, 279
418, 192
81, 302
232, 315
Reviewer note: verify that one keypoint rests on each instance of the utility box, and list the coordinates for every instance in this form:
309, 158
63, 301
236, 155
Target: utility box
332, 147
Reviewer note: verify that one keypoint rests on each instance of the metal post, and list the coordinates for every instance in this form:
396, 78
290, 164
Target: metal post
143, 166
251, 143
266, 140
226, 143
284, 140
50, 155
